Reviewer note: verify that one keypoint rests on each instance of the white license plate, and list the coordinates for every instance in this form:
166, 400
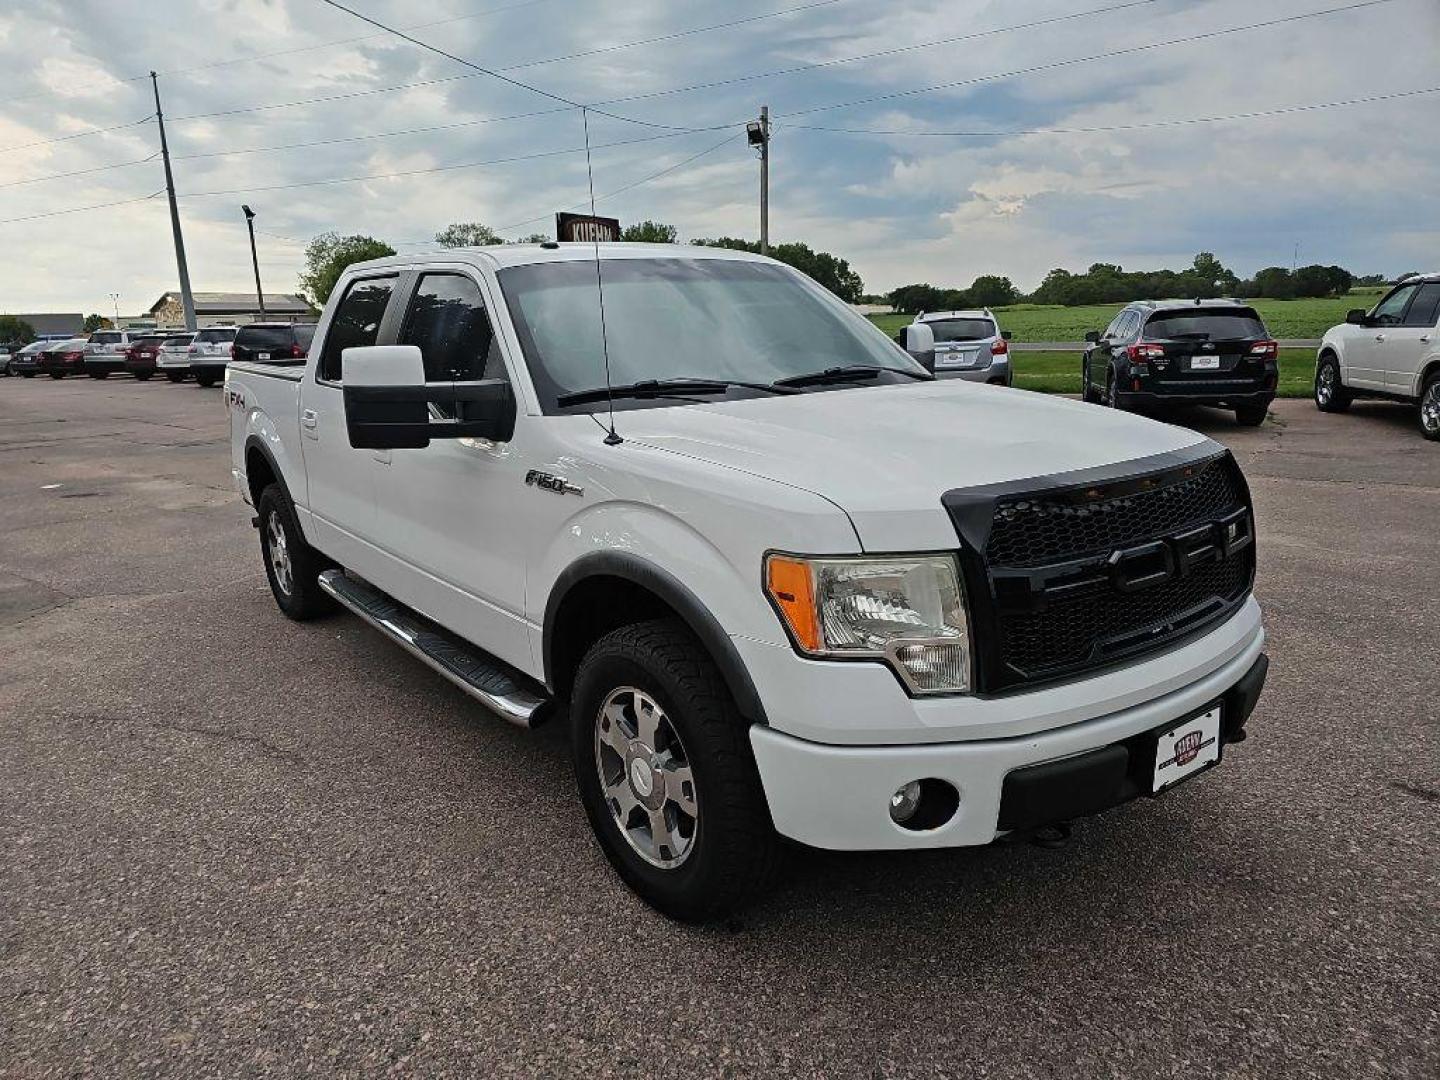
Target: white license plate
262, 356
958, 358
1204, 363
1187, 748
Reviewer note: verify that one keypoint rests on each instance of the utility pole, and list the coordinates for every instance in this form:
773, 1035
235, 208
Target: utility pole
255, 259
187, 299
115, 300
759, 135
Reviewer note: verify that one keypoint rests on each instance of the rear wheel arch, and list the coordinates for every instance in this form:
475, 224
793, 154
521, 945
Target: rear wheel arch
1428, 372
605, 590
261, 470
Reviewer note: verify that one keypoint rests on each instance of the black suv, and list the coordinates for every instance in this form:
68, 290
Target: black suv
1201, 352
272, 342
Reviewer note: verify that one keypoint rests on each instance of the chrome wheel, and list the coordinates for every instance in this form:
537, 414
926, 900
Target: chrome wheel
1325, 384
279, 549
645, 777
1430, 409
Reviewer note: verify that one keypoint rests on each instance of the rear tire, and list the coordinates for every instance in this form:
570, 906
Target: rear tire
1112, 394
27, 374
175, 376
99, 374
1430, 408
292, 566
57, 374
143, 376
649, 700
206, 380
1330, 393
1251, 415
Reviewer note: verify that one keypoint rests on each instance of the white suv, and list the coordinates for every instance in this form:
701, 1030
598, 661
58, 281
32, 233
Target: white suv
967, 345
1391, 351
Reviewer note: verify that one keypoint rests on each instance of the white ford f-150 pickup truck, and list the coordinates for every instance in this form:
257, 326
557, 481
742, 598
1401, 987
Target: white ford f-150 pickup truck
774, 576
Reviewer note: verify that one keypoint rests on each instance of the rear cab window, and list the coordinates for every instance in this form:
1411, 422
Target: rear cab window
215, 337
1205, 324
104, 337
356, 322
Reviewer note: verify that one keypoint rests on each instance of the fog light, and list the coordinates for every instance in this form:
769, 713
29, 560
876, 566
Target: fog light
905, 802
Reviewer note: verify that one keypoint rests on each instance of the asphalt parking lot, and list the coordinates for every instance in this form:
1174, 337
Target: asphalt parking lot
230, 843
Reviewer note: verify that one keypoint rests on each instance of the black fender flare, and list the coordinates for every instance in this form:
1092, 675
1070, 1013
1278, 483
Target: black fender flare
256, 443
663, 584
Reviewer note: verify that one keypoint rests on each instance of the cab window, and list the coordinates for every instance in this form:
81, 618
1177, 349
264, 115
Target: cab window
1425, 307
356, 323
447, 320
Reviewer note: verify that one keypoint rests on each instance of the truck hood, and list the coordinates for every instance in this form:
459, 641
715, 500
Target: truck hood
886, 454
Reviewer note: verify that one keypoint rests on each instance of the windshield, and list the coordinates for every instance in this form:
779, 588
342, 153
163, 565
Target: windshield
1223, 325
961, 329
682, 318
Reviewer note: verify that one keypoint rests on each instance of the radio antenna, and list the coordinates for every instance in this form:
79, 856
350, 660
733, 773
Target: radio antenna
612, 437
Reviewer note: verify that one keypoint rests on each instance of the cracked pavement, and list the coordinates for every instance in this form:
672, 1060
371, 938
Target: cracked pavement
233, 844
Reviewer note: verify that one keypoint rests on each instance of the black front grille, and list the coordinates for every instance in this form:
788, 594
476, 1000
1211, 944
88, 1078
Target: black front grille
1049, 527
1066, 579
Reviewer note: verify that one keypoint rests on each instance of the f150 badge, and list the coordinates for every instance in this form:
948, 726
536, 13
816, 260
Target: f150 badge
557, 484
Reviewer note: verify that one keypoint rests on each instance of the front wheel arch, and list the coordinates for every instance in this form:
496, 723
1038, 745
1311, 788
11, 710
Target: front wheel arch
624, 589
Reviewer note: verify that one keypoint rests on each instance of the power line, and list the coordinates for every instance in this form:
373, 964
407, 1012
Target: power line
821, 64
81, 209
627, 187
426, 171
1139, 126
1110, 54
78, 134
80, 172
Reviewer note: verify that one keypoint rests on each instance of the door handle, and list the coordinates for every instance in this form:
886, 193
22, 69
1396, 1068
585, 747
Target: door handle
309, 418
1424, 337
1379, 337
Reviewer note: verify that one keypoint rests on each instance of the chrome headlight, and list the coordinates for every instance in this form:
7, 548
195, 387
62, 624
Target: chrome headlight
907, 610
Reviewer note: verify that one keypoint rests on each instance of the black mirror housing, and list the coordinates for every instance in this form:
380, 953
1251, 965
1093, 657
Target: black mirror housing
398, 417
1008, 335
1357, 317
1092, 336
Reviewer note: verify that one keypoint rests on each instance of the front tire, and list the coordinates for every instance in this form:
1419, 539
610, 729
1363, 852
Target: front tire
666, 775
1088, 393
291, 565
1330, 393
1430, 408
99, 374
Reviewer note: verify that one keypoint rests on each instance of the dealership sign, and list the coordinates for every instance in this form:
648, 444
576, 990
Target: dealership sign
586, 229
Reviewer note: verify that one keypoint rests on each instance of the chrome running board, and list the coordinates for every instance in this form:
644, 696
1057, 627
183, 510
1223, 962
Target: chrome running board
484, 678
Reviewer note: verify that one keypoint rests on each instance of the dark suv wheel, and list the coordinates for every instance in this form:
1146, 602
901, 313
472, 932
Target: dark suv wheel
663, 761
1330, 392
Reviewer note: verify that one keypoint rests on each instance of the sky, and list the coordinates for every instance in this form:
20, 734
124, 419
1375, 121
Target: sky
1076, 141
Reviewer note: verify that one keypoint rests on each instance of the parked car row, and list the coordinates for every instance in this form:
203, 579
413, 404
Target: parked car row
178, 355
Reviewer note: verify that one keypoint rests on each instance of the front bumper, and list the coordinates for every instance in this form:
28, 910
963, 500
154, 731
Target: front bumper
837, 797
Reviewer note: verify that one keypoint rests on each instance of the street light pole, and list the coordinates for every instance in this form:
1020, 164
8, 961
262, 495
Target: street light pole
115, 300
254, 258
187, 298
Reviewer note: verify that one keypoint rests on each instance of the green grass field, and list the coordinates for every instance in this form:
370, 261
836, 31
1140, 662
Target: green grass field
1059, 372
1050, 322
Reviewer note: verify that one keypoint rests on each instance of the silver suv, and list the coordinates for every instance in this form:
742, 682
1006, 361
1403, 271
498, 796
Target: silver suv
968, 345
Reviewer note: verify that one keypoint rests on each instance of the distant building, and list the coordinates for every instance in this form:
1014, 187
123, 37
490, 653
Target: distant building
55, 323
217, 308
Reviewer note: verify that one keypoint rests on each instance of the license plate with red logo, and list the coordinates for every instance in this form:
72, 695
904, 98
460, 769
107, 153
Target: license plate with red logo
1187, 748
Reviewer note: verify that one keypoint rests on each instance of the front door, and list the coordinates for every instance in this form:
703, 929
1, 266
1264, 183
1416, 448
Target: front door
449, 512
1366, 346
1413, 340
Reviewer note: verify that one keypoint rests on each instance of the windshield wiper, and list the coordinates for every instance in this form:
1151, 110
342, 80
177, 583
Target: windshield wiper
658, 388
849, 373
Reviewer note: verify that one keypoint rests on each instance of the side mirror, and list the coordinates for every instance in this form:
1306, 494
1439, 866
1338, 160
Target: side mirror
920, 343
1008, 335
387, 402
1356, 317
1092, 336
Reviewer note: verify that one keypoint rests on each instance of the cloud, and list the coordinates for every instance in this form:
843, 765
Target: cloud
1359, 186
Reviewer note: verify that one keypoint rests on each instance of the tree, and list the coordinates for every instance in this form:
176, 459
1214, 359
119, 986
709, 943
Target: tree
534, 238
15, 331
649, 232
1317, 280
913, 299
1274, 282
829, 270
991, 290
326, 258
96, 322
467, 234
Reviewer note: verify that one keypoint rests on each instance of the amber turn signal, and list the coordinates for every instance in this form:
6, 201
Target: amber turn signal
789, 583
